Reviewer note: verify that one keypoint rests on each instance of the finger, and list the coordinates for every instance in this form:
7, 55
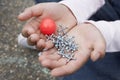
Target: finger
45, 54
51, 64
32, 40
49, 44
40, 44
30, 12
98, 52
72, 66
52, 60
32, 26
27, 31
49, 51
54, 56
95, 55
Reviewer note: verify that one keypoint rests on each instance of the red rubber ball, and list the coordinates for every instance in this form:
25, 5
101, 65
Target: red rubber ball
47, 26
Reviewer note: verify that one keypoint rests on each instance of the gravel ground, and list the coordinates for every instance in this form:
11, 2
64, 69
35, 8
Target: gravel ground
17, 63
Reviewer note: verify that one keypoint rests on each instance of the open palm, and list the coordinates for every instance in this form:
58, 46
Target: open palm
91, 44
58, 12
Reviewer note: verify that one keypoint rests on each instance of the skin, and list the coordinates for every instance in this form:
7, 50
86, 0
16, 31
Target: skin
58, 12
91, 43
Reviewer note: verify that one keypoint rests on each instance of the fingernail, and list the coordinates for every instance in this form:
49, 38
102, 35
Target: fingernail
40, 53
45, 49
31, 41
24, 34
96, 57
21, 14
32, 38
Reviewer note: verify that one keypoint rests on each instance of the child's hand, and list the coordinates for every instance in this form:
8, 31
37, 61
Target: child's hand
91, 44
58, 12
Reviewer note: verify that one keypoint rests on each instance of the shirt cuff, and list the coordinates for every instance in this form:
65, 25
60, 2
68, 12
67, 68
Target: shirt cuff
83, 9
110, 31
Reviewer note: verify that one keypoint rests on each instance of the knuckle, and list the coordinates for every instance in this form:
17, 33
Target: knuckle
68, 71
41, 58
45, 63
101, 53
30, 42
25, 32
101, 48
26, 9
89, 46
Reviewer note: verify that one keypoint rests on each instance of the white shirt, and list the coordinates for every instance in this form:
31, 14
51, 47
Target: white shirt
83, 9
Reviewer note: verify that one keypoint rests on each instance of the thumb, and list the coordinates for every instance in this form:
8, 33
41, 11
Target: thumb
30, 12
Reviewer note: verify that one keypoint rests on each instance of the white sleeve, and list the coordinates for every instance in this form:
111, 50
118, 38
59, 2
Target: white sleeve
111, 33
83, 9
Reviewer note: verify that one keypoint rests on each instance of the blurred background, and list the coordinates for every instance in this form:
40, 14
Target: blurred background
17, 63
